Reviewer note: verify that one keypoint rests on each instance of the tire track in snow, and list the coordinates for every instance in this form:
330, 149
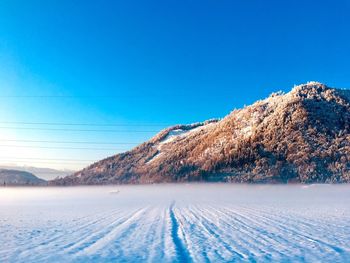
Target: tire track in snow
275, 230
72, 228
98, 232
212, 229
110, 236
59, 235
194, 236
180, 248
260, 244
280, 225
157, 231
217, 244
146, 228
323, 229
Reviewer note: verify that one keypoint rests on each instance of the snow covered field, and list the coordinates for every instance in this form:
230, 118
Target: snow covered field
176, 223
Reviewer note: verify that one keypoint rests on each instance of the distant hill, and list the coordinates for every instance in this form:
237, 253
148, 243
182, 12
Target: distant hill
301, 136
43, 173
15, 177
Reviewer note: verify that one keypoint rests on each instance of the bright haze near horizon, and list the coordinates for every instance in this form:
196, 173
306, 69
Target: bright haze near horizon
83, 80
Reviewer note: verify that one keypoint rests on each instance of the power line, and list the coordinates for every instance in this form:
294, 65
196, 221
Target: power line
71, 96
76, 130
102, 96
71, 142
67, 148
46, 162
59, 172
48, 159
83, 124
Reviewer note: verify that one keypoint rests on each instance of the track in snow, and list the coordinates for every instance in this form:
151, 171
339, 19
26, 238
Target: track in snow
181, 251
176, 223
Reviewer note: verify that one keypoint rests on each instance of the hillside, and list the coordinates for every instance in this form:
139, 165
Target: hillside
40, 172
301, 136
15, 177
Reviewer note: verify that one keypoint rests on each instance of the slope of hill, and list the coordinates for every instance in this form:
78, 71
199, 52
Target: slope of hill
42, 173
301, 136
15, 177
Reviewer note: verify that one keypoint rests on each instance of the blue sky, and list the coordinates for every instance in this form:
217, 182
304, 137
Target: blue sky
155, 63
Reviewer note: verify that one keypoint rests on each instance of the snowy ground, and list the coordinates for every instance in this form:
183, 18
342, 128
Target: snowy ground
182, 223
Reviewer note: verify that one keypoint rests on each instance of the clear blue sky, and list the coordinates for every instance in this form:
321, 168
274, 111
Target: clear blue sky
156, 62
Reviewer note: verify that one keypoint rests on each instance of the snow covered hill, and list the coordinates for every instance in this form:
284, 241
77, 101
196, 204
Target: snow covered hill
301, 136
40, 172
15, 177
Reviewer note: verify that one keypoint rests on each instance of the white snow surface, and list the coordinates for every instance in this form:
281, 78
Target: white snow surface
173, 136
180, 133
176, 223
